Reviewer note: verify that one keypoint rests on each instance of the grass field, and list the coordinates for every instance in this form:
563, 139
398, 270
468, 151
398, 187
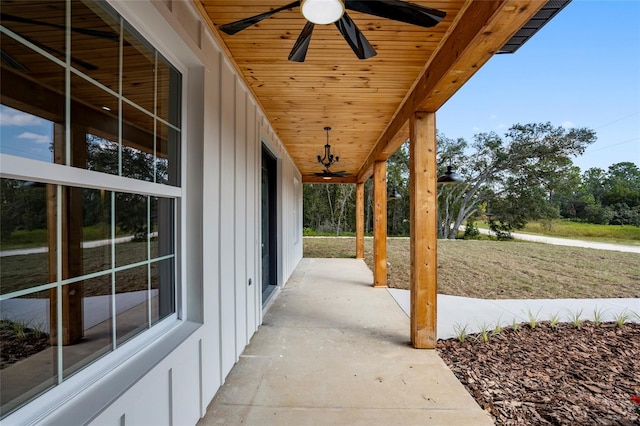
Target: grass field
621, 234
505, 269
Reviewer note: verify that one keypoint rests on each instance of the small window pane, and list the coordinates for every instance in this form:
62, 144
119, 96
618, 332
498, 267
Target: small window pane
138, 70
132, 228
102, 155
169, 92
167, 155
132, 303
28, 362
96, 230
95, 41
45, 28
162, 289
25, 261
94, 136
137, 144
33, 104
162, 227
97, 326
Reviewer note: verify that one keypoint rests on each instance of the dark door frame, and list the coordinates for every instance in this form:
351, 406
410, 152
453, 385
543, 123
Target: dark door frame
269, 223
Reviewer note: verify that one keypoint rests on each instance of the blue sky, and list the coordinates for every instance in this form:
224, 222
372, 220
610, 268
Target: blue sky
580, 70
25, 135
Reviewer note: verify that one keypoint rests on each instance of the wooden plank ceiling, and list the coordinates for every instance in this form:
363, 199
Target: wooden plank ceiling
366, 102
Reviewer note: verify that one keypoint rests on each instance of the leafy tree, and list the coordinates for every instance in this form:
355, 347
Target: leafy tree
326, 207
398, 182
23, 206
607, 197
515, 175
622, 185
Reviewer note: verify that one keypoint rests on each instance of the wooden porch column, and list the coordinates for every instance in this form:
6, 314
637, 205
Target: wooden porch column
380, 224
71, 295
423, 217
360, 220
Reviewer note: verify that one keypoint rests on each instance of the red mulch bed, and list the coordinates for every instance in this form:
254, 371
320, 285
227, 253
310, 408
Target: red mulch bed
547, 375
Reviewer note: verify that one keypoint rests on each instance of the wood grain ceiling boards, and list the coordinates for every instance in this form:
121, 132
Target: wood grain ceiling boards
366, 102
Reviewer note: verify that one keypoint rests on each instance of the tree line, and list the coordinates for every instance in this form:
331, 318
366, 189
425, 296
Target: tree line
525, 175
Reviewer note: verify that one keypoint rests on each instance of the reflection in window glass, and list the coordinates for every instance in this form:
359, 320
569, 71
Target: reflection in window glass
167, 155
131, 222
33, 104
162, 294
138, 70
137, 145
102, 155
97, 37
162, 227
18, 16
132, 292
97, 326
94, 136
24, 236
25, 135
28, 362
96, 230
169, 92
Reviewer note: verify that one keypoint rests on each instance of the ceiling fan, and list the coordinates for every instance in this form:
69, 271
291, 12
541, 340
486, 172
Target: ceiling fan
328, 174
333, 11
11, 61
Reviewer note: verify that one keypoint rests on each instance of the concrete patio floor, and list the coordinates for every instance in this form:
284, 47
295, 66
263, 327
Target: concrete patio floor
334, 350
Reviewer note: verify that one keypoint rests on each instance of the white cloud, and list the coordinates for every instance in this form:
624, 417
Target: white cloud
568, 124
493, 116
12, 117
35, 137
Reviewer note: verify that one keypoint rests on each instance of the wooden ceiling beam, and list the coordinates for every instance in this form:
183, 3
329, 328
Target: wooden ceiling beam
482, 29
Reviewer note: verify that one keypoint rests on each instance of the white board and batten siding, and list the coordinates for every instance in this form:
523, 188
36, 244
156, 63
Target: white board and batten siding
172, 378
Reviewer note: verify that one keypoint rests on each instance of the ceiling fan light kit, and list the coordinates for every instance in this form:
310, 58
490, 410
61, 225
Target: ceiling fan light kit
322, 11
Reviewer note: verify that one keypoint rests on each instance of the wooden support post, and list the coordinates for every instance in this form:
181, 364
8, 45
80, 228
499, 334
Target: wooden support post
423, 217
360, 220
380, 224
71, 295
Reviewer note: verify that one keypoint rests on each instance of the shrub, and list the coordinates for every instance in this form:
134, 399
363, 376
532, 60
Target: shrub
471, 231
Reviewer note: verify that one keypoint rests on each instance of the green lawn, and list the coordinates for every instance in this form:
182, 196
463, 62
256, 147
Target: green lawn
505, 269
620, 234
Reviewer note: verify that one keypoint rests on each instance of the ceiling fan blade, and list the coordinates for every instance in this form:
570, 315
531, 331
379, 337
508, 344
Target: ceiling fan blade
84, 64
299, 50
237, 26
11, 61
358, 42
86, 31
398, 10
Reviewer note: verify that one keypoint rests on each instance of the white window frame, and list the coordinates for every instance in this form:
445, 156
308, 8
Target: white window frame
168, 332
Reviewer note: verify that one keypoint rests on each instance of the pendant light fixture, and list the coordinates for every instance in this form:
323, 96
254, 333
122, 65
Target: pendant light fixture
394, 194
328, 159
450, 176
